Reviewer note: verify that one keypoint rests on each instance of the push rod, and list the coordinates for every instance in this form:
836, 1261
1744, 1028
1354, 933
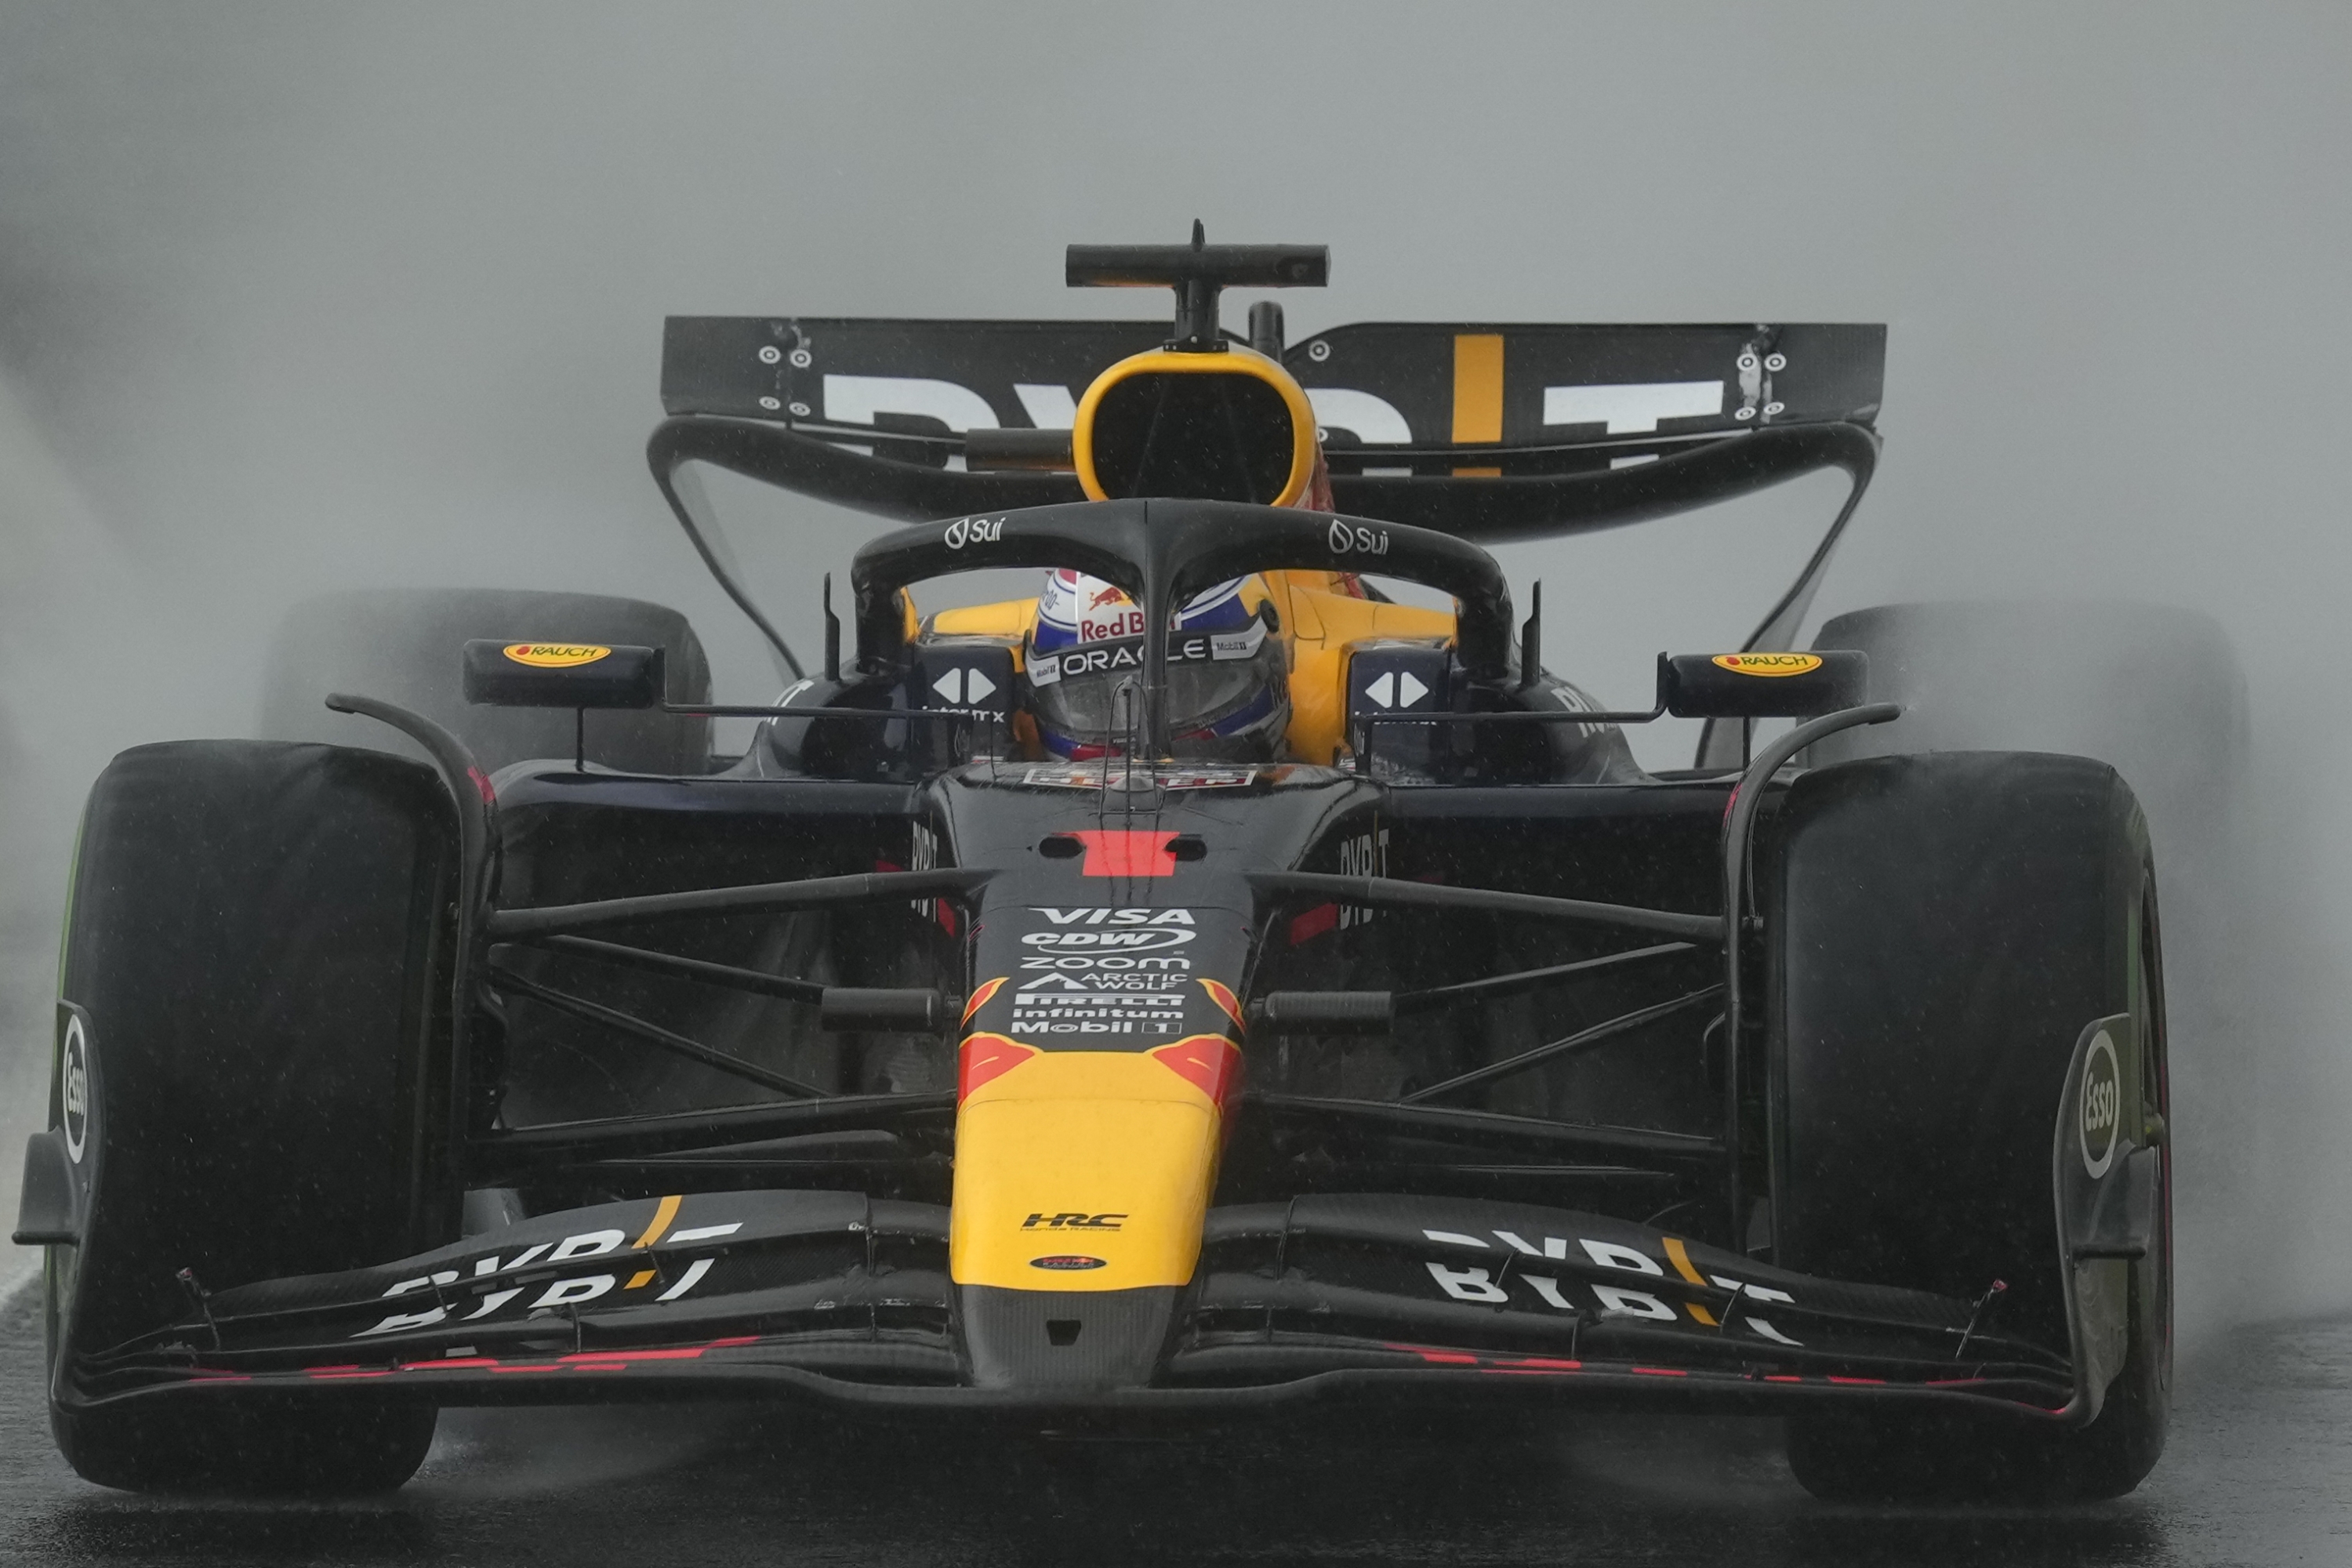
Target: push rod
1395, 892
499, 1157
1487, 1129
1496, 986
1582, 1039
702, 970
758, 898
653, 1035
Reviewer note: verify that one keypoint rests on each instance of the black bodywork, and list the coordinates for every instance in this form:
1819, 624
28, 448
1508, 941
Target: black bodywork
1509, 1109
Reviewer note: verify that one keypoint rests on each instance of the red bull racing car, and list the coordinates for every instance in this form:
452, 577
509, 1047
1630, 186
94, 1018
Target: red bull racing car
1197, 989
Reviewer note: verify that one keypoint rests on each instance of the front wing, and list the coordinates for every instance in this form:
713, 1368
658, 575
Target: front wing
846, 1300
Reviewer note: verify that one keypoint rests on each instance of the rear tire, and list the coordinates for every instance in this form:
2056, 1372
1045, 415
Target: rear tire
2155, 692
255, 964
1946, 926
404, 646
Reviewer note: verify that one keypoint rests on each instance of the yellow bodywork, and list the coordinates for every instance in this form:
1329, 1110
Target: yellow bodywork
1319, 619
1235, 360
1115, 1138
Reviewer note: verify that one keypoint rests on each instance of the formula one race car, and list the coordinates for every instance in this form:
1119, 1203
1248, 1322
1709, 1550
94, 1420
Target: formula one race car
1201, 989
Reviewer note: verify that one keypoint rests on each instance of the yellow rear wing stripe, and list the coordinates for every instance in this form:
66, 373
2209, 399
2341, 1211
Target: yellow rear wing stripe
1478, 388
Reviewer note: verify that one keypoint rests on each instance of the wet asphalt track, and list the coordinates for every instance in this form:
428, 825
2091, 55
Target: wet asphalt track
2258, 1472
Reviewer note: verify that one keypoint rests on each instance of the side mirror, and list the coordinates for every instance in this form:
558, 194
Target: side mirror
562, 675
1762, 685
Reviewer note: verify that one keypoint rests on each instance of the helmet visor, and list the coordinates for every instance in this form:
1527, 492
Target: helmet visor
1209, 676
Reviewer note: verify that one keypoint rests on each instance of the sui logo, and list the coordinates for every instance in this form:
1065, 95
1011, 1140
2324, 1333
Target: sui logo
966, 531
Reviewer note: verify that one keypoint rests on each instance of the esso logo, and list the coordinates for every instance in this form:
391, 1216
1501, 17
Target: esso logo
1347, 538
2102, 1107
73, 1089
966, 531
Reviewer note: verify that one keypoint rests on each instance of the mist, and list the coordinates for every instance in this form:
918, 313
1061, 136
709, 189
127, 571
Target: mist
294, 299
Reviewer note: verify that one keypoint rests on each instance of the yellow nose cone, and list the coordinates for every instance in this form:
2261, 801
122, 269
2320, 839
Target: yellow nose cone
1088, 1169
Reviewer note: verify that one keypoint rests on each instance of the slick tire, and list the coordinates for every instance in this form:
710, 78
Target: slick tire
255, 1000
404, 646
1943, 928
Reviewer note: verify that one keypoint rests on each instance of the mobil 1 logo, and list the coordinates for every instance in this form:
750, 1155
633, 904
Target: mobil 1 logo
1074, 1004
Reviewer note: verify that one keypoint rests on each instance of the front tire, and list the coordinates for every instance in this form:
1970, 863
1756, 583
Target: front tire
254, 999
250, 1449
1946, 926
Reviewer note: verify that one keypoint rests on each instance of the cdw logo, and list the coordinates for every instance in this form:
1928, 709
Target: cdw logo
1072, 1222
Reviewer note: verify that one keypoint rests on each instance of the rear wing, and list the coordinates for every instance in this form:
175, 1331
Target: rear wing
1437, 425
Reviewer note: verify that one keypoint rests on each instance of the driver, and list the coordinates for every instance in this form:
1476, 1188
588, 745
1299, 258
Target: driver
1228, 674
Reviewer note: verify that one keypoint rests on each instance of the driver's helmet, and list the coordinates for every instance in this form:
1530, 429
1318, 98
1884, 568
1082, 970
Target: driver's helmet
1228, 678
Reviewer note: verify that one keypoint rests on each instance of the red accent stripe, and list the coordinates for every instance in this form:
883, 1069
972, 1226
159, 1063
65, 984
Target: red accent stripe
578, 1361
1210, 1063
1875, 1382
1658, 1372
985, 1057
1314, 923
1528, 1371
979, 998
